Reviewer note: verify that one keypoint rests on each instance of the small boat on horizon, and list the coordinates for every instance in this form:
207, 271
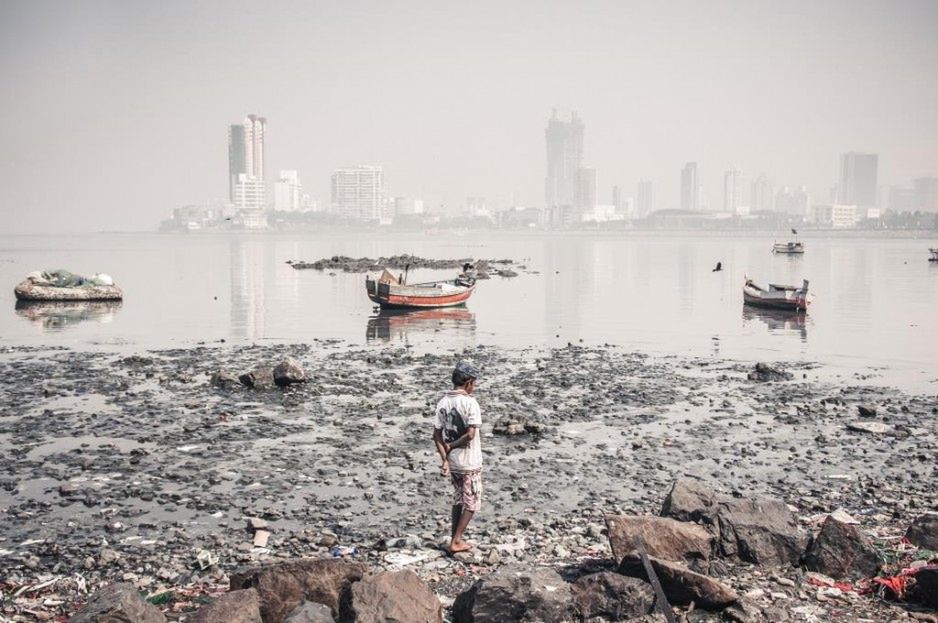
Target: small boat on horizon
789, 248
934, 255
391, 292
791, 298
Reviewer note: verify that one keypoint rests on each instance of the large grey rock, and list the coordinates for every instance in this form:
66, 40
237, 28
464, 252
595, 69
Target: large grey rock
757, 530
282, 586
924, 532
310, 612
663, 537
926, 586
398, 596
258, 378
234, 607
515, 594
764, 373
118, 603
841, 551
288, 372
681, 585
224, 379
612, 596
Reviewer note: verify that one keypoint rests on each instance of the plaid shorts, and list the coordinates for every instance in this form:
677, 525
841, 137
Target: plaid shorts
467, 490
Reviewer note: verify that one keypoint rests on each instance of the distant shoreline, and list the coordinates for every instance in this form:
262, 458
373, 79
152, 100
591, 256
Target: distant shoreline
615, 233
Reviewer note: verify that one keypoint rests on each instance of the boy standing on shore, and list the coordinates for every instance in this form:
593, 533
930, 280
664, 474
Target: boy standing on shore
456, 424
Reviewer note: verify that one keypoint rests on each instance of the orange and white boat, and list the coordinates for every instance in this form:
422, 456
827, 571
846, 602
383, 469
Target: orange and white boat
390, 293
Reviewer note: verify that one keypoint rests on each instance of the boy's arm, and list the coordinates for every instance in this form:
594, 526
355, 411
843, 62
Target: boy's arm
442, 448
468, 436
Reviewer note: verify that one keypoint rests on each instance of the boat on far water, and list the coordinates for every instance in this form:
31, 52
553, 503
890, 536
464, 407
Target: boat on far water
790, 248
394, 293
934, 255
776, 297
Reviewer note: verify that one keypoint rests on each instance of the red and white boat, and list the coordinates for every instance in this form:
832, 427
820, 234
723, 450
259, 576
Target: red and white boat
388, 292
776, 296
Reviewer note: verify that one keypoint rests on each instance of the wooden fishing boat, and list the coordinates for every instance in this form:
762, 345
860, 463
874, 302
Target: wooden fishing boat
934, 255
29, 290
390, 293
776, 296
789, 248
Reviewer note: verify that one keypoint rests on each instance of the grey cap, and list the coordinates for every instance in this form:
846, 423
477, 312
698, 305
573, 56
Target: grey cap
468, 369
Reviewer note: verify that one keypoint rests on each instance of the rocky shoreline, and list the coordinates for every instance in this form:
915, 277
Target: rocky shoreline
484, 267
138, 469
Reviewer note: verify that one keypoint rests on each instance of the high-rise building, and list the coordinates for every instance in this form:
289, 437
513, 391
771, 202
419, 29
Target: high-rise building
762, 198
735, 188
690, 187
246, 158
564, 160
925, 194
645, 199
618, 200
795, 202
288, 192
587, 180
358, 192
248, 193
856, 183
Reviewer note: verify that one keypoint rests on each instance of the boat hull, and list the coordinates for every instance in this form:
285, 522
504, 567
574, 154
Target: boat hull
787, 298
791, 248
425, 296
781, 304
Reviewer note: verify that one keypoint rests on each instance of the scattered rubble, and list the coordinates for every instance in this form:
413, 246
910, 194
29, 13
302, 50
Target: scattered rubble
140, 469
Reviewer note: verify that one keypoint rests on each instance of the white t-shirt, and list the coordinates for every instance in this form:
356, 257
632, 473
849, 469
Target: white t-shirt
456, 412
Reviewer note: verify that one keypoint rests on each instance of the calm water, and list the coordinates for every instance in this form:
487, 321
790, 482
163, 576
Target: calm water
874, 303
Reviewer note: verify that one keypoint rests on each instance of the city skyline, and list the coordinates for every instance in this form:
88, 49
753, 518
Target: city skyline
89, 86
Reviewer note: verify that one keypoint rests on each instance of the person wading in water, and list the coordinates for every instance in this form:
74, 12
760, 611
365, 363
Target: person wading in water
456, 424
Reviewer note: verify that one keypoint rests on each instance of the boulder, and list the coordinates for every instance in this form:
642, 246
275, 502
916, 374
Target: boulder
664, 538
757, 530
689, 500
310, 612
612, 596
764, 373
288, 372
234, 607
926, 586
118, 603
681, 585
924, 532
282, 586
868, 426
516, 425
842, 552
398, 596
224, 379
258, 378
866, 410
515, 594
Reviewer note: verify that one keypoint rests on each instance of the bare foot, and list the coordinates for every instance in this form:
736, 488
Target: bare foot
455, 548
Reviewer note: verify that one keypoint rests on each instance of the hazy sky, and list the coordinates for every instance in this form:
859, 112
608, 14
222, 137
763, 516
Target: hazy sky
113, 113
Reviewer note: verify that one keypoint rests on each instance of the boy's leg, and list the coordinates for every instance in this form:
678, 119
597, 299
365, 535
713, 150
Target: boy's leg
457, 513
457, 545
469, 487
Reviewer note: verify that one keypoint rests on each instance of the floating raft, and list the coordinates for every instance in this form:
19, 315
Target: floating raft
29, 290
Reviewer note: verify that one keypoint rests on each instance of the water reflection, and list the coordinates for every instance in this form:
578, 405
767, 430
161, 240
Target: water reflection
779, 320
59, 315
398, 324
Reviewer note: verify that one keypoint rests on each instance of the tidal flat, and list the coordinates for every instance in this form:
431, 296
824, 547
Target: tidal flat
140, 468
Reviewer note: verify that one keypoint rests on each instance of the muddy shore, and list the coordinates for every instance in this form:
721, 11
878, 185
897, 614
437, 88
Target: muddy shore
137, 468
